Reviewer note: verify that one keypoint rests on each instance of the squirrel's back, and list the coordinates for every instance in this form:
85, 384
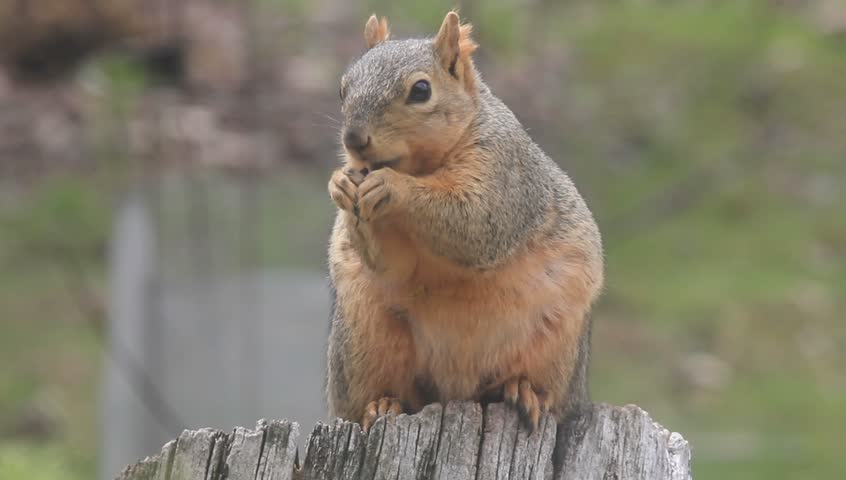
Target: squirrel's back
542, 191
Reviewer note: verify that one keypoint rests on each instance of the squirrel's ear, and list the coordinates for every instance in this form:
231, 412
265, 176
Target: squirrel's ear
454, 46
376, 31
446, 43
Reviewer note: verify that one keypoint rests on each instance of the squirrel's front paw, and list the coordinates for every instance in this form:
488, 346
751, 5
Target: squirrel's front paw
530, 401
343, 188
383, 406
378, 194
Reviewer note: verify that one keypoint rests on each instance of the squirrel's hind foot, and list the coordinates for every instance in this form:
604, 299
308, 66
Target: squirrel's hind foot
529, 401
379, 408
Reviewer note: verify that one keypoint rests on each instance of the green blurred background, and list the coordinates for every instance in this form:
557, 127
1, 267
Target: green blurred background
709, 138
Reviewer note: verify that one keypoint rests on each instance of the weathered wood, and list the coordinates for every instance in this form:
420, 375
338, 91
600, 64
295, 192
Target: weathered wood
453, 442
373, 449
410, 445
245, 451
143, 470
349, 468
166, 461
279, 455
156, 467
620, 442
461, 432
509, 452
418, 443
193, 454
216, 467
333, 451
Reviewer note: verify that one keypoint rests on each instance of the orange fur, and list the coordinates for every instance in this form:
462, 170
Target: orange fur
466, 47
376, 31
466, 44
498, 324
462, 325
416, 318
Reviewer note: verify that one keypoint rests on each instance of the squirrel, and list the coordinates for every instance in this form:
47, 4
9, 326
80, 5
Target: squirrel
463, 262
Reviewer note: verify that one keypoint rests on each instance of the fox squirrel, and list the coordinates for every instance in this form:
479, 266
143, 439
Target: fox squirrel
463, 261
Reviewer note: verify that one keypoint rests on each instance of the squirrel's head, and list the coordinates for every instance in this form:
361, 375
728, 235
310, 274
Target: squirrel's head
407, 103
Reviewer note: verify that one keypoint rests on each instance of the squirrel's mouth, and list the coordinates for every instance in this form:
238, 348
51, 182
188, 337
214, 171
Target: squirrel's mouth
376, 165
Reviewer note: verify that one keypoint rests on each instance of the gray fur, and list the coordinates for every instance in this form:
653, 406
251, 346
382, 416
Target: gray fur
578, 395
520, 187
520, 195
518, 190
376, 79
337, 355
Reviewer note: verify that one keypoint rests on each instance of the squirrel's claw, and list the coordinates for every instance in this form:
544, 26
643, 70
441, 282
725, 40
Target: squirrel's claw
356, 176
375, 194
343, 190
379, 408
530, 403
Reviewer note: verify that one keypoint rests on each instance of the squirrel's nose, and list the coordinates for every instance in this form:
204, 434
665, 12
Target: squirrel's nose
356, 139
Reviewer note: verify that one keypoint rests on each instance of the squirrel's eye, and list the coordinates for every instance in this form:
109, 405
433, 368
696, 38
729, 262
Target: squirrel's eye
420, 92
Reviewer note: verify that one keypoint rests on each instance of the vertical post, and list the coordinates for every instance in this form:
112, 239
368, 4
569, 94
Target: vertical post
129, 402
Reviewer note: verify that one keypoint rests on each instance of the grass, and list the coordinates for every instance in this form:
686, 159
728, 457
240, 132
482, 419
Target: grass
36, 462
712, 150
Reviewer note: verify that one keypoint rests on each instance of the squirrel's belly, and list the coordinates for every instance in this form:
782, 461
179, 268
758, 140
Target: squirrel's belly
459, 364
477, 332
399, 256
470, 328
484, 327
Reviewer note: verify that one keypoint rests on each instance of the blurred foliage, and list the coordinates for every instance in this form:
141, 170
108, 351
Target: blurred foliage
708, 137
64, 217
42, 40
21, 461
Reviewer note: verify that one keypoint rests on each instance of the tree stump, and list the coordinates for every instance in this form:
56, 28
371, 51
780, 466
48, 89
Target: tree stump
458, 441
